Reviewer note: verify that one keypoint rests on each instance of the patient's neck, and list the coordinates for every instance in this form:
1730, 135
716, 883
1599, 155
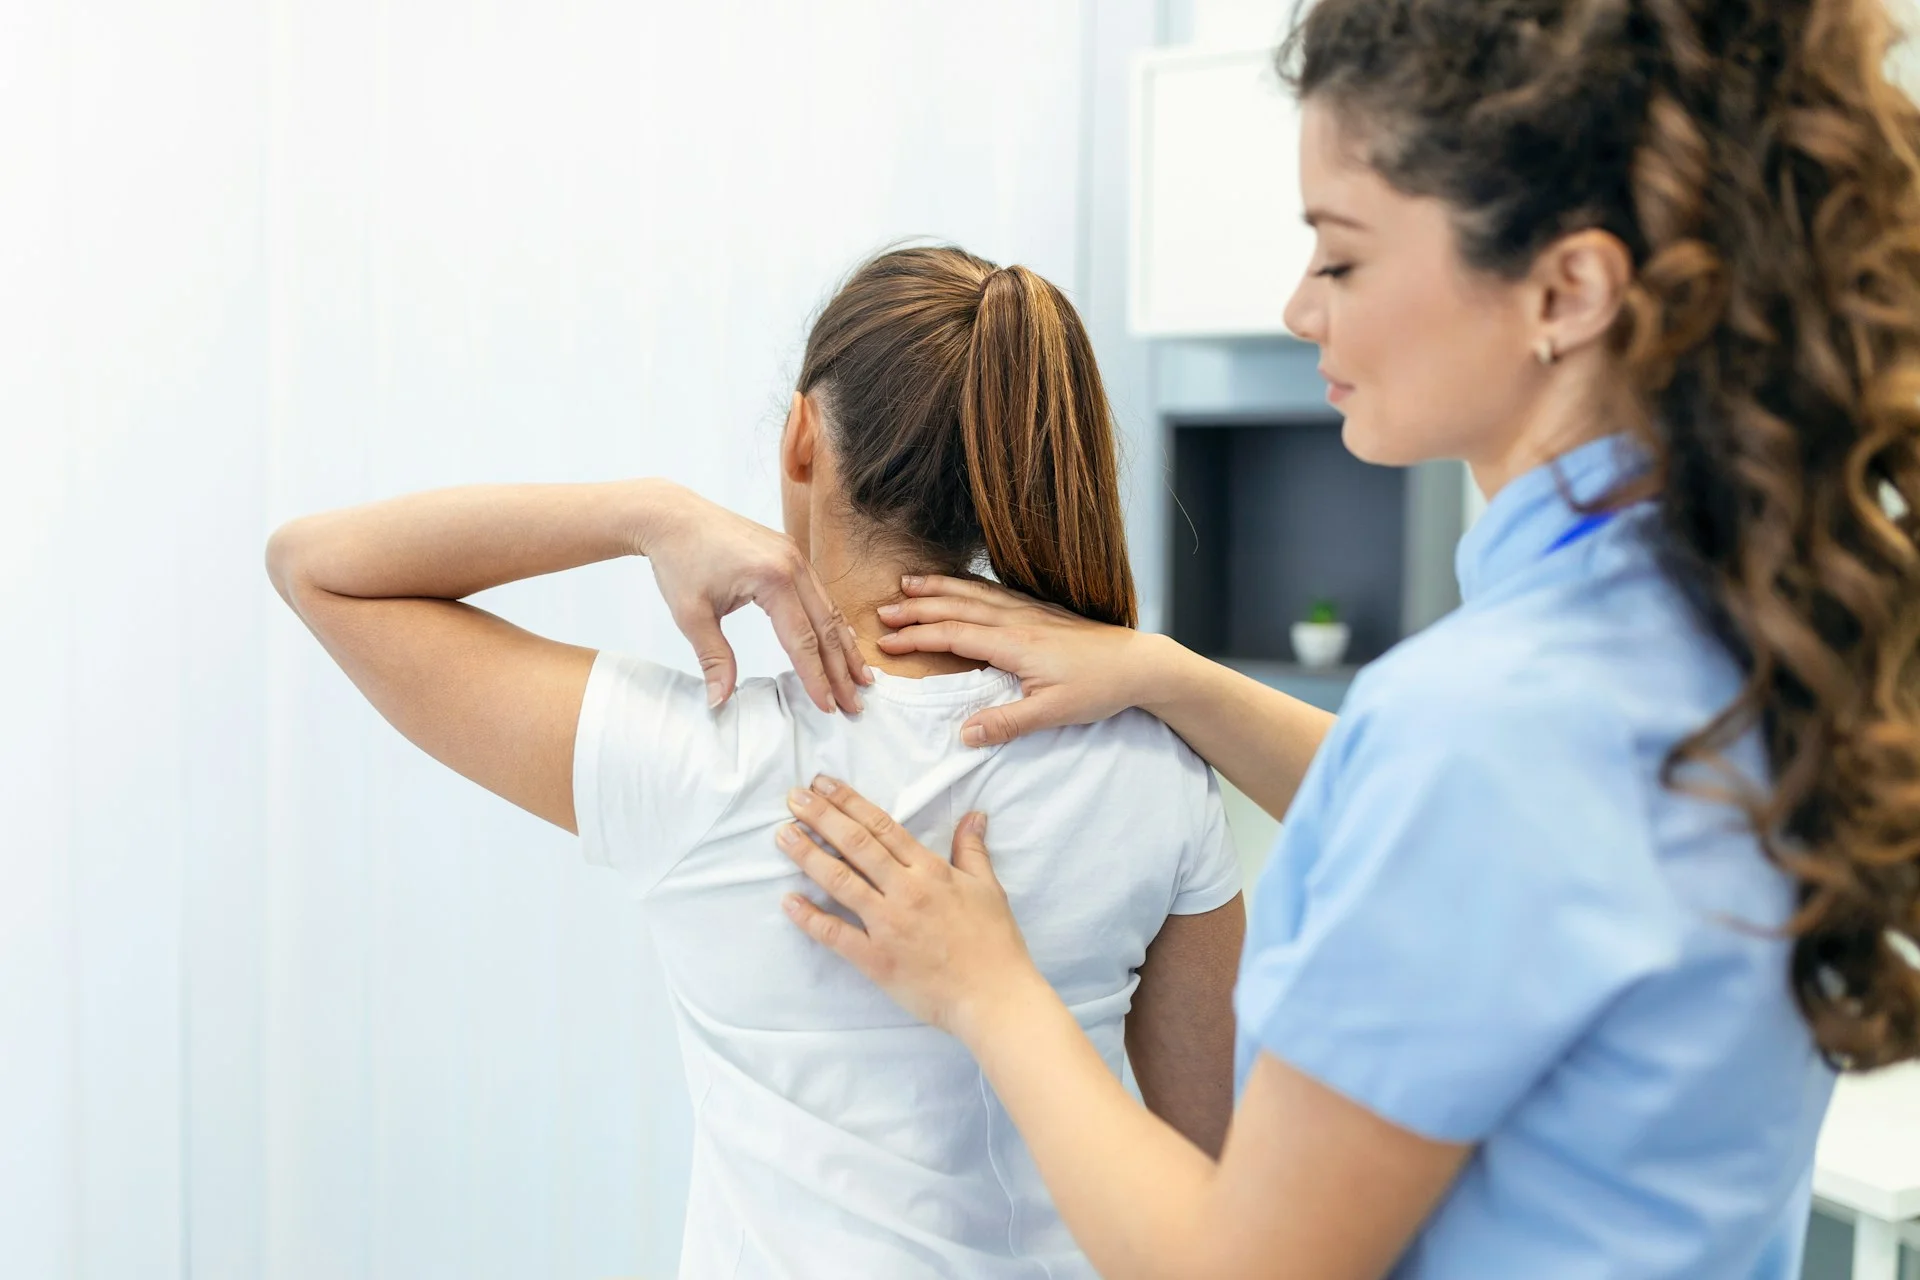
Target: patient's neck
860, 581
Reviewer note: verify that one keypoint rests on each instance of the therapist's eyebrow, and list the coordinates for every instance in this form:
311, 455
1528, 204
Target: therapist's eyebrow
1314, 217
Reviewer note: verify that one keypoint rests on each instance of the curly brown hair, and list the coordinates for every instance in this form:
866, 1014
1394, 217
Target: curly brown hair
1764, 174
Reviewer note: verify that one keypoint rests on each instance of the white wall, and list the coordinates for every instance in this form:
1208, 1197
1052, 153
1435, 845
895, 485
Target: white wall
279, 997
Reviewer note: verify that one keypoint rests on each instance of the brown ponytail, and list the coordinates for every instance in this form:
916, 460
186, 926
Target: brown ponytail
1765, 174
1040, 450
968, 419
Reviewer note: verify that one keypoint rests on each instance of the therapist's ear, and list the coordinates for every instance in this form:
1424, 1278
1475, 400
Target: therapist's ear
1581, 282
799, 439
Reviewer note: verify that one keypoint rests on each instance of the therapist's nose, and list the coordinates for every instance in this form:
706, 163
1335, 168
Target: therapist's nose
1306, 314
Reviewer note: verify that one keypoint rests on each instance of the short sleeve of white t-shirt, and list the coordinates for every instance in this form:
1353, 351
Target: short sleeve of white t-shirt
1210, 867
653, 767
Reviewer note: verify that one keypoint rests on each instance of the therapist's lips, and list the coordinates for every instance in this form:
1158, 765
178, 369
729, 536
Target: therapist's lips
1336, 389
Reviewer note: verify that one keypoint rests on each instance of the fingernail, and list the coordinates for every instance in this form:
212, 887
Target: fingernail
787, 836
791, 904
977, 823
716, 694
799, 798
824, 785
889, 610
912, 582
974, 736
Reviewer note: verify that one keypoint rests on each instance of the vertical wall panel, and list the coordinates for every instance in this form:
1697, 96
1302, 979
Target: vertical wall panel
280, 996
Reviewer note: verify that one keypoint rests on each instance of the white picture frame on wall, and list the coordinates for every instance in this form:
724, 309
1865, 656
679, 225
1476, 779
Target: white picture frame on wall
1217, 241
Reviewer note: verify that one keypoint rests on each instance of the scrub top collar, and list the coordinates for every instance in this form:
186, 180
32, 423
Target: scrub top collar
1527, 518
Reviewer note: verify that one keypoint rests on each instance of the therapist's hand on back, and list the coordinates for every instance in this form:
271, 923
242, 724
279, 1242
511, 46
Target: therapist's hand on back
1072, 670
938, 937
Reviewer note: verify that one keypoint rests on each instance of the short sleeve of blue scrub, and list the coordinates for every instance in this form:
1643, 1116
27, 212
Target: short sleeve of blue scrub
1455, 910
1489, 921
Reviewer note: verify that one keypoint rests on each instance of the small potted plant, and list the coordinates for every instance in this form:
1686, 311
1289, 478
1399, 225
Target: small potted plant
1321, 641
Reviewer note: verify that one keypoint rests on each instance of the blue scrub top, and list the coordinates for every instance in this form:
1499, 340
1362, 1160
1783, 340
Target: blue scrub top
1489, 922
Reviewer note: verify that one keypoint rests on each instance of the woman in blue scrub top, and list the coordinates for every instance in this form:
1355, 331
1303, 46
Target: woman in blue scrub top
1593, 882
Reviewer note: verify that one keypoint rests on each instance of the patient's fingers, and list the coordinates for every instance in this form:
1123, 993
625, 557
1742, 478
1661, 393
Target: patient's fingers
854, 842
893, 837
839, 648
840, 881
802, 642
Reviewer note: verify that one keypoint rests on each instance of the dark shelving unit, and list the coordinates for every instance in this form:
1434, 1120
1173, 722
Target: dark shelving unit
1272, 514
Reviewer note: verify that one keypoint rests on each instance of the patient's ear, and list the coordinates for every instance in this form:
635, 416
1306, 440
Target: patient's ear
799, 438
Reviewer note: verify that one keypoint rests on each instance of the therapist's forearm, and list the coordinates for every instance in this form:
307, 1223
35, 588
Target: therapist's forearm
1260, 739
1130, 1188
451, 543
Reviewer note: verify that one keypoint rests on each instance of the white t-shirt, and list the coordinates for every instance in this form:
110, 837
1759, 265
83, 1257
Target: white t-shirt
835, 1136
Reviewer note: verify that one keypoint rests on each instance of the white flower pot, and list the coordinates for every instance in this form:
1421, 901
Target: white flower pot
1320, 644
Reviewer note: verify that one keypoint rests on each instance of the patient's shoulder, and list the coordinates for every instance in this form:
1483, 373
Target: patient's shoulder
1131, 746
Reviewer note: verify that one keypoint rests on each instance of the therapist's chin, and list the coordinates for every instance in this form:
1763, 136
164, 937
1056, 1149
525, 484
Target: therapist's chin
1367, 438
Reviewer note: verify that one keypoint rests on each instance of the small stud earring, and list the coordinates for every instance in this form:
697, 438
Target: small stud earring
1545, 353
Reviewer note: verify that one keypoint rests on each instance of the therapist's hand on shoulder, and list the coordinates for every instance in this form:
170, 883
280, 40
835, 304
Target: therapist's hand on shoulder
937, 935
1072, 670
710, 561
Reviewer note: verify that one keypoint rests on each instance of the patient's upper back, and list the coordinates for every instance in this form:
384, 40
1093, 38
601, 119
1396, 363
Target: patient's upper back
1098, 832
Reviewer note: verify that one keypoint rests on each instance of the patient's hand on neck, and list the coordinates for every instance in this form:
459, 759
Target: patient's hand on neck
860, 582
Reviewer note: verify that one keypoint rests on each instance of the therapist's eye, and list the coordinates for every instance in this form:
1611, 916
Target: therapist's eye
1334, 271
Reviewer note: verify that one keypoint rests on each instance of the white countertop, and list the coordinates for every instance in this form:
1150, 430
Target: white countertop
1868, 1159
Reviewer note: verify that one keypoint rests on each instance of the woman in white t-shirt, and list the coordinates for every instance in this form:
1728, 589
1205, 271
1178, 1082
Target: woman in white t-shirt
947, 411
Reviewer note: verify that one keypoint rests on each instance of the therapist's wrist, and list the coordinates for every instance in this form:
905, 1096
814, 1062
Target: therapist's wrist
1000, 1011
1160, 673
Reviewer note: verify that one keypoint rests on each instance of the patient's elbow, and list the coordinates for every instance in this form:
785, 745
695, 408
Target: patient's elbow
285, 555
